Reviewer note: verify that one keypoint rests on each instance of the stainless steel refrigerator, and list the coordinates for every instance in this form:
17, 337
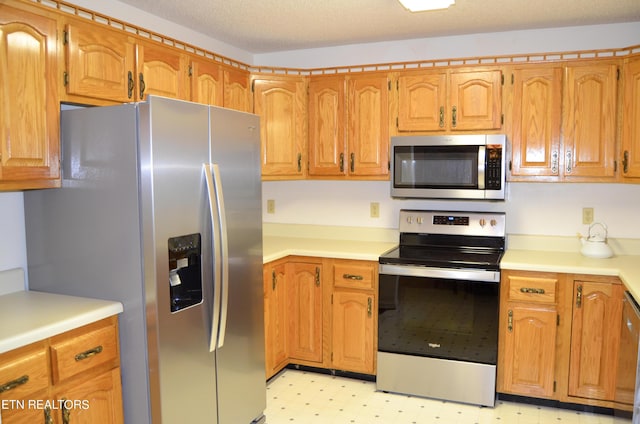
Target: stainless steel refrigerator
160, 209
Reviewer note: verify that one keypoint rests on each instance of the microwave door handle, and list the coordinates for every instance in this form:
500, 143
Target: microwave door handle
482, 155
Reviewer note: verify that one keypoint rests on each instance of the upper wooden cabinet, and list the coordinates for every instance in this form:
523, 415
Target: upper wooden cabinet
237, 90
368, 125
29, 102
207, 83
450, 100
327, 130
281, 105
535, 121
162, 71
100, 62
589, 120
631, 117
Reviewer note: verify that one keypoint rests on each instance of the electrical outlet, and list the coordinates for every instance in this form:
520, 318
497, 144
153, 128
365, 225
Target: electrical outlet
587, 216
375, 210
271, 206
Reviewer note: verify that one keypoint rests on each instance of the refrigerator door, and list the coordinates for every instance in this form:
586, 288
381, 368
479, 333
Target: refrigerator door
174, 143
235, 153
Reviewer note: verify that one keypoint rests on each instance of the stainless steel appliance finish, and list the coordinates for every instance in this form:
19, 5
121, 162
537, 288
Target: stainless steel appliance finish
628, 384
438, 306
448, 166
160, 209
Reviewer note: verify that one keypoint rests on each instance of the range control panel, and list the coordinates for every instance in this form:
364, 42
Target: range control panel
490, 224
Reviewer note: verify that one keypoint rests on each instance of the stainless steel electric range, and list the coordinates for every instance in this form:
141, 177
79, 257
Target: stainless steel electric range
438, 306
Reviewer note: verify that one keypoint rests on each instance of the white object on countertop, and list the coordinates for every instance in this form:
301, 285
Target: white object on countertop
595, 245
11, 280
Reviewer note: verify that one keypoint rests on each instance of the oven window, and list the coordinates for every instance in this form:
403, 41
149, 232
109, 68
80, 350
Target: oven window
447, 319
436, 167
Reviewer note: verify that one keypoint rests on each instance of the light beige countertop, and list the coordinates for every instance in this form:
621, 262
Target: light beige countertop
281, 240
30, 316
537, 254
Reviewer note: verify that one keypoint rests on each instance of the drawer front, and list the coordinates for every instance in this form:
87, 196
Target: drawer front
356, 276
81, 350
24, 371
532, 289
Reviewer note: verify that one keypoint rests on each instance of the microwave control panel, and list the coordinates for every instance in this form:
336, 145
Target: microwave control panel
493, 172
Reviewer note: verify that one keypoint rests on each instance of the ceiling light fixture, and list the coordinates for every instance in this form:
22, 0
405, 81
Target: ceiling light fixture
422, 5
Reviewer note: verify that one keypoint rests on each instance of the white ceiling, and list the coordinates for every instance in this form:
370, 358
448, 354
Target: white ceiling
263, 26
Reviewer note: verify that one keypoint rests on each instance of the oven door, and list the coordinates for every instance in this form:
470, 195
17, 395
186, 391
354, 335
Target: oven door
436, 317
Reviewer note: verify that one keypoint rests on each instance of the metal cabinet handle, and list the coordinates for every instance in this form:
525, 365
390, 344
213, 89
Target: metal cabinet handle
142, 85
510, 321
441, 123
531, 290
274, 280
352, 277
625, 161
14, 383
88, 353
341, 162
131, 84
352, 165
66, 412
579, 296
369, 306
569, 164
554, 162
454, 116
48, 419
299, 162
318, 276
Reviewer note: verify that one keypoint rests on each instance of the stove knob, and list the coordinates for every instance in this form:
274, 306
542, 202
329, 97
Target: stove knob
419, 220
483, 222
494, 222
409, 219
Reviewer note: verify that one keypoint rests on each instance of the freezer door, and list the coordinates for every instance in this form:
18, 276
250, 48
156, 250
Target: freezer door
176, 229
235, 157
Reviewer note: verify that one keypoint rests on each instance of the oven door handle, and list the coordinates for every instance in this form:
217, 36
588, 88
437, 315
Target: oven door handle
444, 273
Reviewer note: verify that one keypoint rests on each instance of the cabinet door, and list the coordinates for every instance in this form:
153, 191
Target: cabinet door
100, 62
275, 324
353, 331
97, 400
207, 84
475, 100
590, 120
327, 137
304, 310
537, 102
595, 337
29, 105
528, 359
422, 102
631, 118
162, 71
281, 106
368, 125
237, 93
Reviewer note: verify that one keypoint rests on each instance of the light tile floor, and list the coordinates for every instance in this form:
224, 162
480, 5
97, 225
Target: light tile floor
310, 398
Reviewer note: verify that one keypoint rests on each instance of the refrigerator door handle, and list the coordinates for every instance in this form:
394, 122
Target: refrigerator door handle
220, 256
224, 247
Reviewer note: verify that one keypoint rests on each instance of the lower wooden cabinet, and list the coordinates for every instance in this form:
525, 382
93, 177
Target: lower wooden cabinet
70, 378
560, 337
321, 313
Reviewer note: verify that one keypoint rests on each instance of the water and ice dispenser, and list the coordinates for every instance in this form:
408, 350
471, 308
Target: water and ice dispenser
185, 271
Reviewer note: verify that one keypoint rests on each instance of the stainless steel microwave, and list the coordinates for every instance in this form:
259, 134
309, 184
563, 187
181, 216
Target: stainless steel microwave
448, 166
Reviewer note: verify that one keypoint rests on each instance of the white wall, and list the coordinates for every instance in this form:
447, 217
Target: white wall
13, 252
531, 208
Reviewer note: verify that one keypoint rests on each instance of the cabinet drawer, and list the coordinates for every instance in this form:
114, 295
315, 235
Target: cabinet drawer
351, 275
24, 371
532, 289
83, 349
